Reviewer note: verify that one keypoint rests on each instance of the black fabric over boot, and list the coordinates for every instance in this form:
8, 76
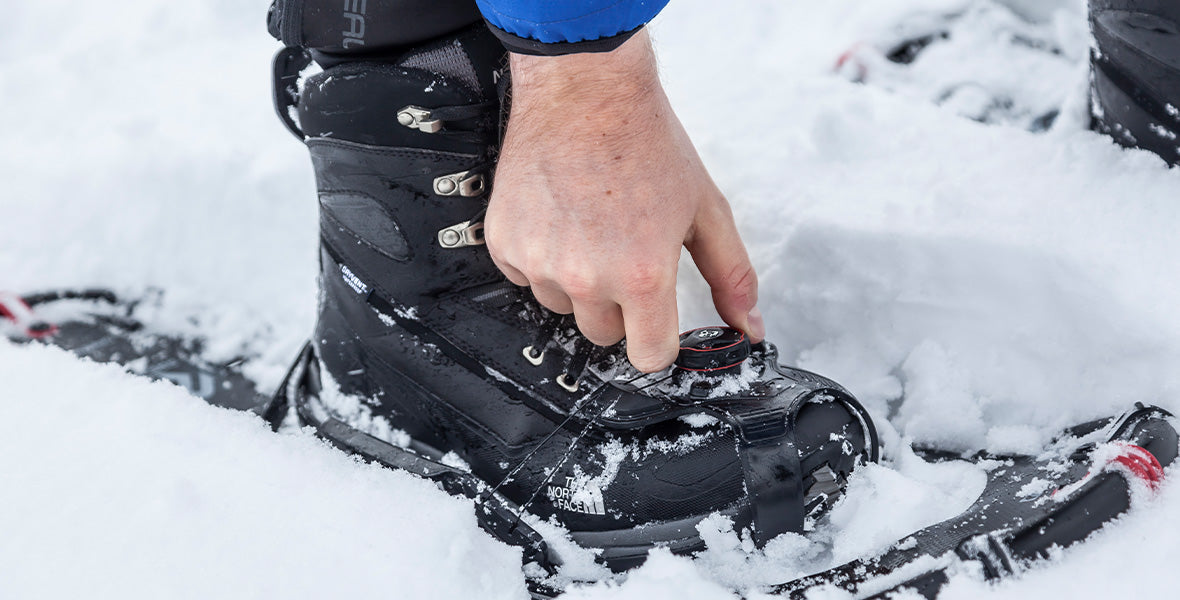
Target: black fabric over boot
1135, 75
422, 344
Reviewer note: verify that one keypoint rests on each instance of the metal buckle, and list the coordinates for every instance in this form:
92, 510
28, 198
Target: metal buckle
416, 117
460, 184
461, 235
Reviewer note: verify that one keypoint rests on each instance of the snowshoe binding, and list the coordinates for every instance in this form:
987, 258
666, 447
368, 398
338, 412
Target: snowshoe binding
426, 358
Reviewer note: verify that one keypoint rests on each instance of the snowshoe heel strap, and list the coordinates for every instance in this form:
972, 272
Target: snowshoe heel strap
772, 457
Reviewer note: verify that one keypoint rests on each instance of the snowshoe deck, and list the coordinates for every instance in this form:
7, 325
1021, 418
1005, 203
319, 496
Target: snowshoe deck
1031, 505
101, 326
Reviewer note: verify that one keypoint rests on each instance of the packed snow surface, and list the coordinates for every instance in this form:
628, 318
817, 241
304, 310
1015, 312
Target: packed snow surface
976, 284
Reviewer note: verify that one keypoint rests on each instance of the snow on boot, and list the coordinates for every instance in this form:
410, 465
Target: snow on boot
426, 357
1135, 74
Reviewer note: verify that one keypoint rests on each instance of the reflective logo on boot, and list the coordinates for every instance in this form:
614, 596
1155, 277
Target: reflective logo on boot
354, 13
353, 281
585, 499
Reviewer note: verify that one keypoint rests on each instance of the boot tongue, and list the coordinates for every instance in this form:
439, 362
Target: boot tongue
473, 57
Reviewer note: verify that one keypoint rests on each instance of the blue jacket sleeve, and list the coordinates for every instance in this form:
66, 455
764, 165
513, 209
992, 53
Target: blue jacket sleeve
565, 26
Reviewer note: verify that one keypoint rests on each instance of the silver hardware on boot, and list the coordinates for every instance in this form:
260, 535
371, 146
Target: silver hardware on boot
460, 184
535, 360
461, 235
416, 117
564, 382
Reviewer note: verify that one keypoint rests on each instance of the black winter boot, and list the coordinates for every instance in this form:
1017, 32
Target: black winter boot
426, 358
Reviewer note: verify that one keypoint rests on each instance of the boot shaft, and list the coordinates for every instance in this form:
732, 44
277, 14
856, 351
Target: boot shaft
403, 153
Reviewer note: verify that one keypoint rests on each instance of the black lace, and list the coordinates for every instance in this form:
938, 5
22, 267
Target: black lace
455, 119
560, 332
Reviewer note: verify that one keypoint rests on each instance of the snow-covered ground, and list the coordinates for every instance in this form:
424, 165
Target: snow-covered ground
1004, 283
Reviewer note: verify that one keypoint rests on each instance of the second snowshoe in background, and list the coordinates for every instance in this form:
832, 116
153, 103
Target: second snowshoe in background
1008, 62
104, 327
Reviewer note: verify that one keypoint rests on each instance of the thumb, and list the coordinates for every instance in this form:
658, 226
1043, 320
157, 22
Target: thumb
720, 255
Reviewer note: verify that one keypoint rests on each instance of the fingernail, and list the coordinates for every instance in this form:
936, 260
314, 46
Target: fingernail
757, 327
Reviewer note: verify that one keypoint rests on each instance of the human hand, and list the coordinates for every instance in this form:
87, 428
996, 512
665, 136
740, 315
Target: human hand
597, 189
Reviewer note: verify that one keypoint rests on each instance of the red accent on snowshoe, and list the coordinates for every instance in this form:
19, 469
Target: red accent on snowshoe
1140, 463
14, 308
850, 56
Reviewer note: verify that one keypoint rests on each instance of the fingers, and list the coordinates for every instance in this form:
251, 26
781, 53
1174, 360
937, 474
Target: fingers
601, 322
552, 297
652, 325
512, 273
548, 293
721, 257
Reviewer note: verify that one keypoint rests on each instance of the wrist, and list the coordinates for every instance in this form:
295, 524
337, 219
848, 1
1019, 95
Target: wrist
589, 80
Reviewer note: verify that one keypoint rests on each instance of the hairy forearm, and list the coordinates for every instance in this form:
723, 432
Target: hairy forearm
588, 89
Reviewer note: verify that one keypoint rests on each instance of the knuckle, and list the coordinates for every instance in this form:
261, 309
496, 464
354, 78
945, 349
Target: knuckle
580, 284
534, 265
645, 280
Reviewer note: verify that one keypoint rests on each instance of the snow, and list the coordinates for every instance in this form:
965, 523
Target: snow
1004, 283
117, 487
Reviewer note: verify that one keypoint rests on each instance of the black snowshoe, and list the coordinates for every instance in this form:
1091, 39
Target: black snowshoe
99, 325
1134, 59
422, 346
949, 57
1031, 505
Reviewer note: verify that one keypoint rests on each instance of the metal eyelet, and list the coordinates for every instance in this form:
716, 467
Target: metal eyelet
535, 360
564, 382
462, 183
462, 235
416, 117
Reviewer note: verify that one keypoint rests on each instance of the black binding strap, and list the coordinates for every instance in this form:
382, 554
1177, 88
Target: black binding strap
770, 456
770, 462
